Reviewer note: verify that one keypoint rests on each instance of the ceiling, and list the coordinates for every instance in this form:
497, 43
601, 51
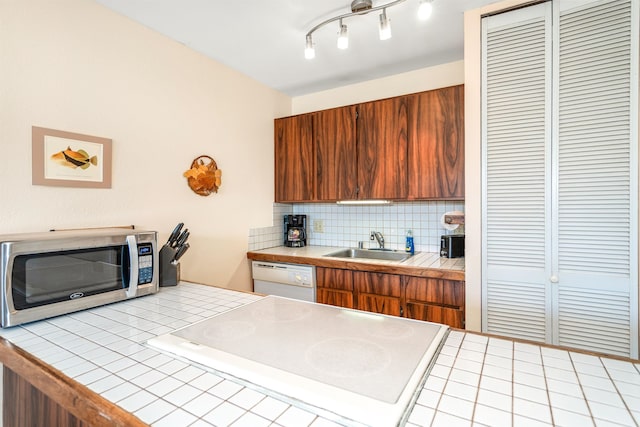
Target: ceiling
265, 39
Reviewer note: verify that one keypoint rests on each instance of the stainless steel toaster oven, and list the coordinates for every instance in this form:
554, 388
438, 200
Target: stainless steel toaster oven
452, 245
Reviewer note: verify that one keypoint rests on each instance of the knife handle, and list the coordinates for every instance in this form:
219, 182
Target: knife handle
181, 250
183, 238
174, 234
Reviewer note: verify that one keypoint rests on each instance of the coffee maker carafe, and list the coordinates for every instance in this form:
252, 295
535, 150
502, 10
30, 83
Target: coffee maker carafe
295, 231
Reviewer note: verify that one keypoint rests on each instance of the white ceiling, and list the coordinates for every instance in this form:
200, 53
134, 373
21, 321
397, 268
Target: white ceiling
265, 39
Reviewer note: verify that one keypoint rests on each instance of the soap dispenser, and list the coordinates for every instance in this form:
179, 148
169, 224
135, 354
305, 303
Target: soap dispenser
409, 245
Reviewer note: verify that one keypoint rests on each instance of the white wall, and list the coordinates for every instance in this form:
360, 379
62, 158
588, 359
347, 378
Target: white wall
400, 84
76, 66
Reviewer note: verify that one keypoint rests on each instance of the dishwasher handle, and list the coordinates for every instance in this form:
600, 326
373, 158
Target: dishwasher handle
270, 266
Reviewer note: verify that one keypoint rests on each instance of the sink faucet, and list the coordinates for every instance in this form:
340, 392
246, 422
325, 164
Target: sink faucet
379, 237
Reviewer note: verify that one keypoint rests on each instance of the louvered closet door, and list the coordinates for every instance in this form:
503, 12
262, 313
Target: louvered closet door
516, 148
560, 189
595, 258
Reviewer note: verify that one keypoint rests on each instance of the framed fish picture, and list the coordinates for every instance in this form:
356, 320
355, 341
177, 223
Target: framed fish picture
67, 159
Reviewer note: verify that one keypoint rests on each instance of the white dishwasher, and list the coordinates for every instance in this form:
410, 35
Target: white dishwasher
285, 280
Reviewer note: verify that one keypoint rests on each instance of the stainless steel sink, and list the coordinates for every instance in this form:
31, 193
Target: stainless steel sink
382, 254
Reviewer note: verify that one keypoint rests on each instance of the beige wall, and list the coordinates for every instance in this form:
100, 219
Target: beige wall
76, 66
400, 84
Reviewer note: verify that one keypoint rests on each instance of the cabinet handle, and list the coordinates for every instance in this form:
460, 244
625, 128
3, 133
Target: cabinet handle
401, 311
554, 279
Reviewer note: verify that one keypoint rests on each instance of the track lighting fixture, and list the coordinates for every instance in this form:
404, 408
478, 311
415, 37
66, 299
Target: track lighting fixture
363, 7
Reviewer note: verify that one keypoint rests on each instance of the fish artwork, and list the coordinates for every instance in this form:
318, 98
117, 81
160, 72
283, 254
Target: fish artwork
75, 159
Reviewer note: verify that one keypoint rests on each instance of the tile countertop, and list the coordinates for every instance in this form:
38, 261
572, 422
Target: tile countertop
424, 264
477, 380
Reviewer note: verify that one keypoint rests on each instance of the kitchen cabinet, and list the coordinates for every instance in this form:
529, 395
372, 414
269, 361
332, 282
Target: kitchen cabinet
435, 300
382, 148
294, 159
420, 298
336, 167
334, 287
559, 190
436, 144
378, 292
408, 147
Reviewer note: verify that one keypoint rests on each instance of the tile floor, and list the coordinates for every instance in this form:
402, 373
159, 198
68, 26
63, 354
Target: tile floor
476, 381
483, 381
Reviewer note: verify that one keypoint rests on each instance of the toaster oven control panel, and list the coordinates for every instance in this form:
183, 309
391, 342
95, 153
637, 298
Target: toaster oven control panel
145, 263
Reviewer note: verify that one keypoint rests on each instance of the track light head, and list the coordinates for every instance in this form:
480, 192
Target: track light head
424, 9
385, 26
309, 50
343, 37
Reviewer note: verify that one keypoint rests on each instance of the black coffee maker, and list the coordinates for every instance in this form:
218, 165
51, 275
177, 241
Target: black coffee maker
295, 231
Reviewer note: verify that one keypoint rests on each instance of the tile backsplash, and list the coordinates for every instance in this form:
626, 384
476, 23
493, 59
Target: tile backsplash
346, 225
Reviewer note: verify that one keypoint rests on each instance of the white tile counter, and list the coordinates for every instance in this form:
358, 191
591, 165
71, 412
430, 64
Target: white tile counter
476, 381
425, 264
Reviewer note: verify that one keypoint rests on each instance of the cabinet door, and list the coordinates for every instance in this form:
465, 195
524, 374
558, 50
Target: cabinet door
334, 287
436, 144
435, 300
378, 292
382, 149
336, 159
294, 159
452, 293
334, 297
435, 313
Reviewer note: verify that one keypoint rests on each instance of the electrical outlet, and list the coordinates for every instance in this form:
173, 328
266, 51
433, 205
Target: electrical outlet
318, 226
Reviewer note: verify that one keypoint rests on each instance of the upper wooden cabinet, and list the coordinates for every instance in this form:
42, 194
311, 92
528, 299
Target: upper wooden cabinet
336, 167
382, 148
436, 144
294, 159
404, 148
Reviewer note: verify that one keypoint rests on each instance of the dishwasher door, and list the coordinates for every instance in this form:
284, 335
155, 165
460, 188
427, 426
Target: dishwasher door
284, 280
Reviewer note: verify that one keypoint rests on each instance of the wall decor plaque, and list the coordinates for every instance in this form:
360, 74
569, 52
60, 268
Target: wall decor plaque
204, 177
67, 159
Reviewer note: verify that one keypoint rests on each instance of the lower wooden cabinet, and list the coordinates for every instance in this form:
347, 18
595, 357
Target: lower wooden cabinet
435, 300
334, 287
378, 292
420, 298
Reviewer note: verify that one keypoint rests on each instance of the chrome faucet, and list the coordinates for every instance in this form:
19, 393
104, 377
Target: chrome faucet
379, 237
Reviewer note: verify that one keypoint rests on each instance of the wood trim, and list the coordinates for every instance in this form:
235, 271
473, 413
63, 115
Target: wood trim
81, 402
28, 406
404, 270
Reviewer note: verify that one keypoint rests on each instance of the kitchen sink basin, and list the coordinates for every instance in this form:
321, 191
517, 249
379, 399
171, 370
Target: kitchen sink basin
382, 254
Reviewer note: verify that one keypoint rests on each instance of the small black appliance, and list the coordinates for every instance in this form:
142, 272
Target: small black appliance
295, 231
452, 245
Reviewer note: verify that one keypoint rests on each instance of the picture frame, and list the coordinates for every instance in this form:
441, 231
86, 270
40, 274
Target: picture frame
68, 159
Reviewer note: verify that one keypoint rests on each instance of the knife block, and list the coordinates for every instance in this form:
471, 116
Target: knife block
169, 271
